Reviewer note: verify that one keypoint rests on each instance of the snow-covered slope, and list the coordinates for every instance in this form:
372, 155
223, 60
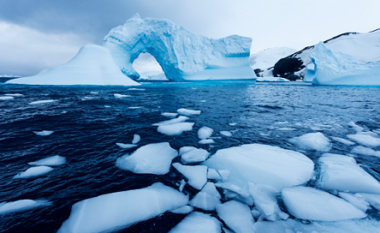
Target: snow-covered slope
182, 54
93, 65
335, 68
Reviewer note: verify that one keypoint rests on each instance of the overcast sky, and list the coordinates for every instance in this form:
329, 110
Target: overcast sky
36, 34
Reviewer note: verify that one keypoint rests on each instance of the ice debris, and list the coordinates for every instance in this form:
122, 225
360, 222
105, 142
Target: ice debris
206, 141
365, 151
136, 139
188, 112
43, 133
199, 223
344, 141
55, 160
42, 102
175, 129
204, 132
312, 141
169, 114
226, 133
120, 95
196, 175
34, 172
194, 156
172, 121
236, 216
207, 199
365, 139
356, 200
6, 97
126, 146
22, 205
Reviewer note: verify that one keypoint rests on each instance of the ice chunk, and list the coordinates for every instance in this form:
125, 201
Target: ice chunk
335, 68
365, 139
339, 172
194, 156
172, 121
34, 172
206, 141
182, 185
185, 149
22, 205
205, 132
188, 112
235, 192
136, 107
14, 94
122, 209
150, 159
182, 54
175, 129
126, 146
199, 223
55, 160
136, 89
120, 95
313, 204
355, 126
236, 216
365, 151
207, 199
183, 210
169, 114
262, 164
92, 65
373, 199
6, 97
94, 92
232, 124
226, 133
196, 175
356, 200
344, 141
42, 102
213, 174
43, 133
312, 141
136, 139
265, 200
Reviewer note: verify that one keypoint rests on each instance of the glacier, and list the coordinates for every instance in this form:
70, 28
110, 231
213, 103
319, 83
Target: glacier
93, 65
335, 68
183, 55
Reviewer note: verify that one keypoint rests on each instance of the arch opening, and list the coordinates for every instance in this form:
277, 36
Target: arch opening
148, 68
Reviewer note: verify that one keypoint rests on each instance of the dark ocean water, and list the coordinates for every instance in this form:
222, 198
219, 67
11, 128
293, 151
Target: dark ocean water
85, 132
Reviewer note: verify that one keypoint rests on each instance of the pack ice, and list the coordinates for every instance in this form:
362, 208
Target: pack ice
197, 222
335, 68
182, 54
312, 141
115, 211
262, 164
93, 65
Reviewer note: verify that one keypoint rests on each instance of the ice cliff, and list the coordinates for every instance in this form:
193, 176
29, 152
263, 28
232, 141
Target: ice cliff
93, 65
335, 68
182, 54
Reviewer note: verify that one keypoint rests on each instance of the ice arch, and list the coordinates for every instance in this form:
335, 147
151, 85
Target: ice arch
182, 54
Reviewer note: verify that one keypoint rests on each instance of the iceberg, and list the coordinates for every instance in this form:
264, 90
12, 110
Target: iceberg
183, 55
196, 175
312, 141
335, 68
153, 76
115, 211
339, 172
199, 223
312, 204
22, 205
34, 172
55, 160
262, 164
237, 216
93, 65
150, 159
43, 133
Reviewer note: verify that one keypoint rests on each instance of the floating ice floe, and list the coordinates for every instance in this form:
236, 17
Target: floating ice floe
126, 146
339, 172
136, 89
185, 149
6, 97
232, 124
365, 151
172, 121
94, 92
34, 172
42, 102
356, 200
236, 216
136, 139
207, 199
312, 204
196, 175
365, 139
373, 199
120, 95
199, 223
22, 205
194, 156
175, 129
136, 107
212, 174
312, 141
183, 210
262, 164
188, 112
206, 141
169, 114
232, 191
55, 160
122, 209
226, 133
265, 200
344, 141
14, 94
43, 132
150, 159
204, 132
